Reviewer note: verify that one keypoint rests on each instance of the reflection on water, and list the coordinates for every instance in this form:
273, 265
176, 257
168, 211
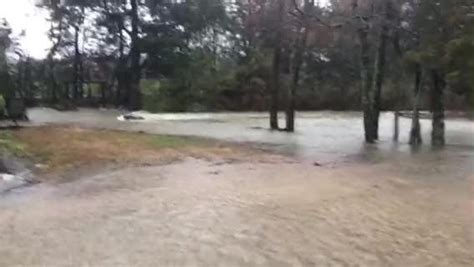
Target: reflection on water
323, 136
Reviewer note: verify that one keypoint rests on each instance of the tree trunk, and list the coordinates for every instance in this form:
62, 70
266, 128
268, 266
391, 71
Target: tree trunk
372, 79
298, 61
275, 88
437, 108
29, 83
415, 132
290, 110
119, 72
300, 48
276, 68
134, 95
396, 124
77, 60
397, 77
379, 76
366, 77
53, 82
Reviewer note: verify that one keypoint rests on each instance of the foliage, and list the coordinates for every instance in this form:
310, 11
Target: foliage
216, 54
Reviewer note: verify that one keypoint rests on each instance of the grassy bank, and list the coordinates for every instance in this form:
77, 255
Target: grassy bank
58, 150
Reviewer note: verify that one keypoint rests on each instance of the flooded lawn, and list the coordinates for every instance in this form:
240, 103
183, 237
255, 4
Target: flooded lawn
379, 205
322, 136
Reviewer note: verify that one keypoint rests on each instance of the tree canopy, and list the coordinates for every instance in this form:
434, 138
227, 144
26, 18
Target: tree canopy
193, 55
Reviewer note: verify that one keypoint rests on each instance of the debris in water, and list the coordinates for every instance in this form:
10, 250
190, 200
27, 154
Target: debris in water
130, 117
7, 177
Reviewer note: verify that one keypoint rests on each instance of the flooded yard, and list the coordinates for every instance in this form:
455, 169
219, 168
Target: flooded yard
323, 136
378, 205
201, 213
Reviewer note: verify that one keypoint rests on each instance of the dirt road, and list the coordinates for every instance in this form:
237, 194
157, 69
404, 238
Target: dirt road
201, 213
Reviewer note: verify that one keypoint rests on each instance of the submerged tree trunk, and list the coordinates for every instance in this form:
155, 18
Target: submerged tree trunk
275, 88
415, 132
366, 96
396, 124
276, 68
398, 73
373, 78
437, 108
300, 48
379, 76
290, 110
134, 95
298, 61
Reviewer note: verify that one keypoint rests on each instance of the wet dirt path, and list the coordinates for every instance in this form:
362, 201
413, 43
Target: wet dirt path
201, 213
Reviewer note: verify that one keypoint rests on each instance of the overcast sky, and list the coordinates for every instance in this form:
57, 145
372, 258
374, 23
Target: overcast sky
23, 16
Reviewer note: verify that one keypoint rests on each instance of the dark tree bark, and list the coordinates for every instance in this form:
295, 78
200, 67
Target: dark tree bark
276, 68
415, 132
437, 108
134, 95
300, 48
77, 62
373, 78
298, 61
28, 82
396, 125
22, 79
397, 77
366, 77
379, 74
120, 70
53, 84
52, 64
275, 88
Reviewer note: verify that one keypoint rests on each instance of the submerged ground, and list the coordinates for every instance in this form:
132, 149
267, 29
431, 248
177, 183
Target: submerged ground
228, 205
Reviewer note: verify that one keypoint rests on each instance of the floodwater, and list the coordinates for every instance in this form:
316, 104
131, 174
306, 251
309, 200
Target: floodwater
321, 136
388, 206
200, 213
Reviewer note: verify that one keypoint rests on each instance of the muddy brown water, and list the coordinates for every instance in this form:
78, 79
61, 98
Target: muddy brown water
366, 206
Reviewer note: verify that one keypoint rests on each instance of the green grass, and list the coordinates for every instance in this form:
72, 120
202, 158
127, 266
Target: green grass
167, 141
9, 143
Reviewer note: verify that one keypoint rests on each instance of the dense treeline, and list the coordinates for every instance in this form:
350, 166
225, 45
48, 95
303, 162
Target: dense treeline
280, 55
